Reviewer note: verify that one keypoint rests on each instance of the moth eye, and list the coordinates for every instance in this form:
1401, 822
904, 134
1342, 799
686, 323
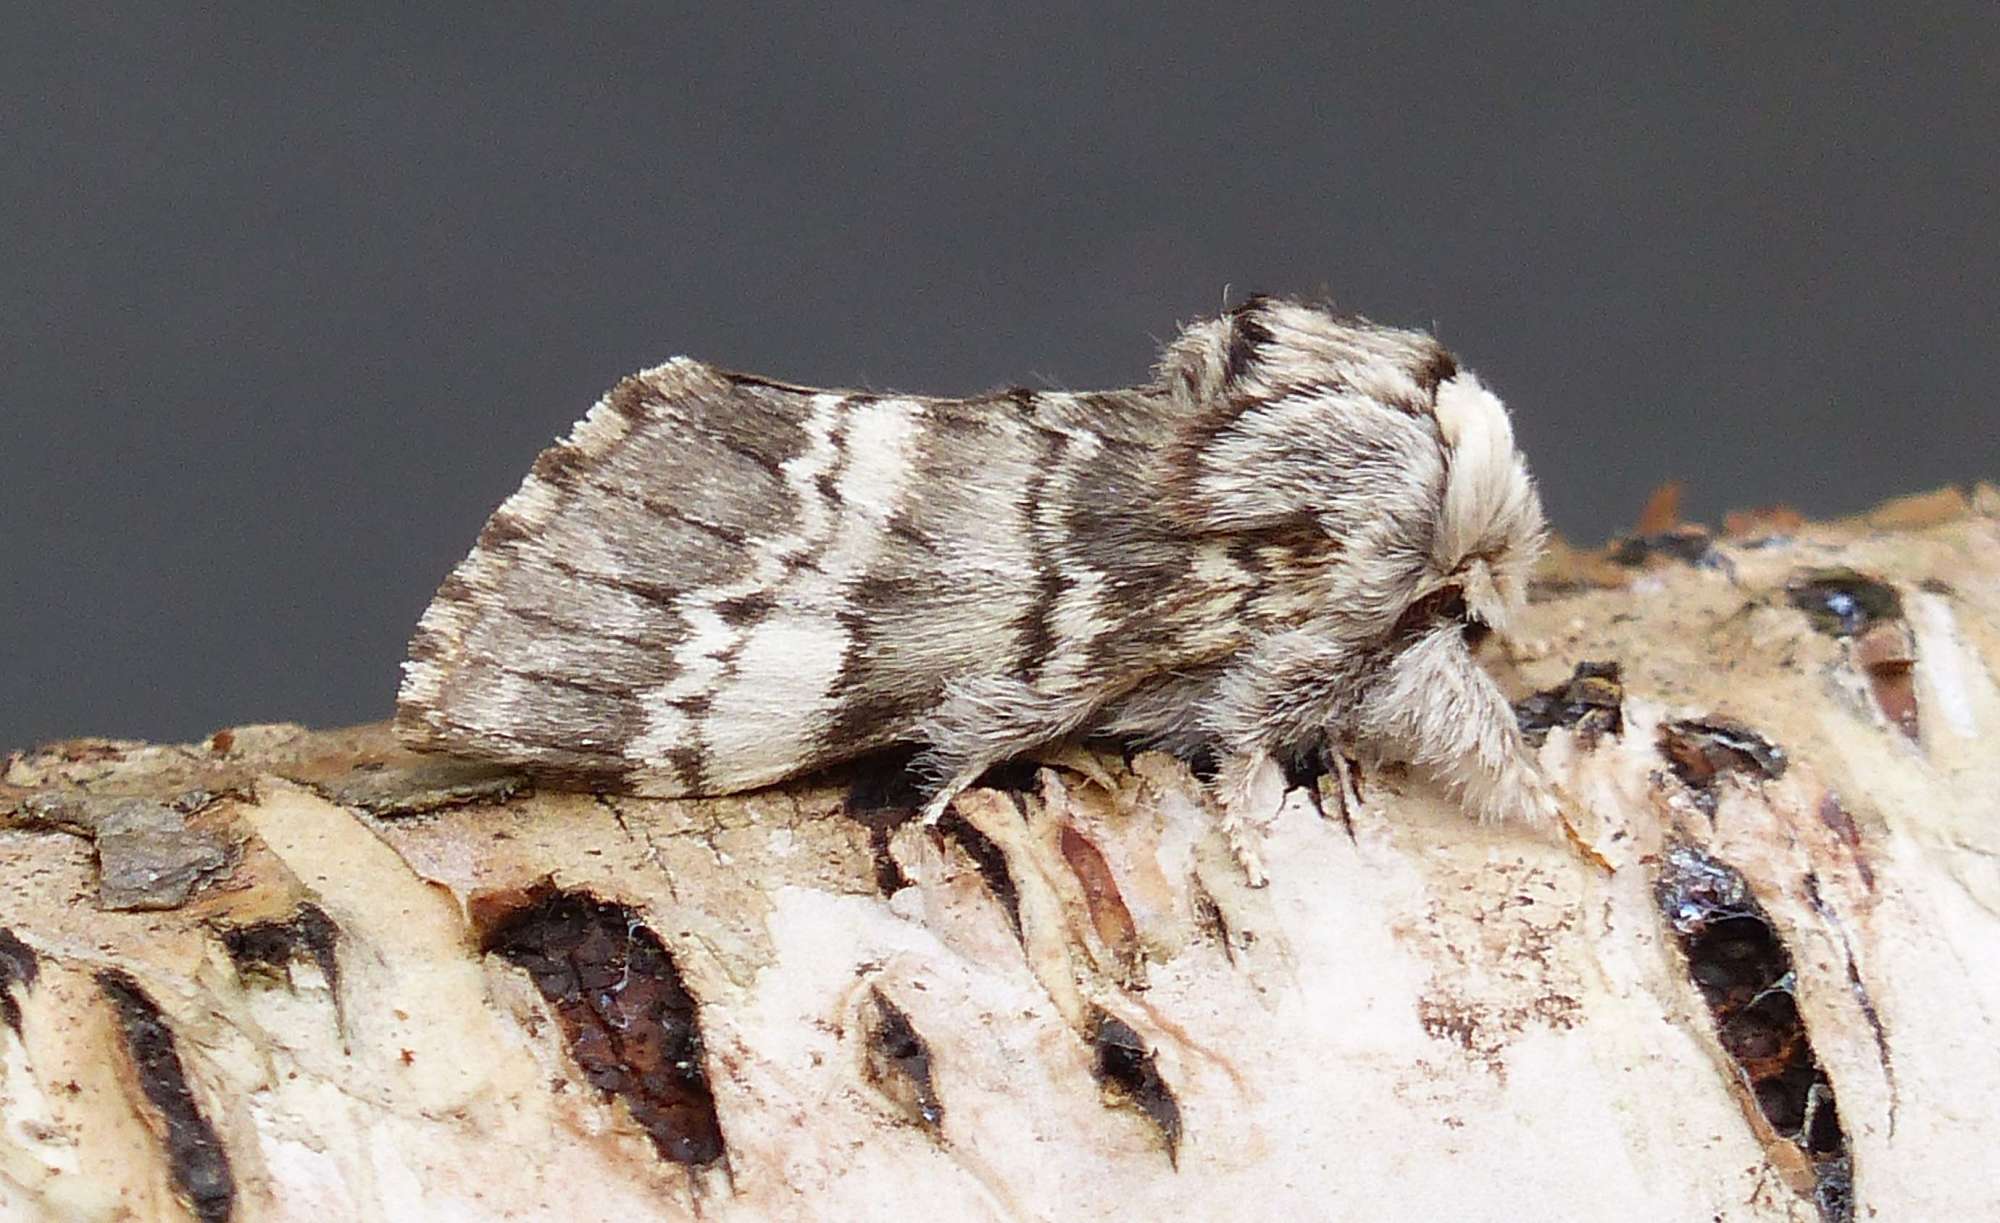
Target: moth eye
1475, 630
1443, 606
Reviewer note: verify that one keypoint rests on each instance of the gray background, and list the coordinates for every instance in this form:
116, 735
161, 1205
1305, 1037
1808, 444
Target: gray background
290, 303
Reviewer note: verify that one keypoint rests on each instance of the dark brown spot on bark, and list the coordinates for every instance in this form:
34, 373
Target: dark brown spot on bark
1843, 602
18, 966
632, 1027
267, 949
1548, 590
1701, 750
1745, 973
1590, 701
1690, 545
195, 1158
1129, 1073
898, 1062
1836, 818
1886, 653
1213, 922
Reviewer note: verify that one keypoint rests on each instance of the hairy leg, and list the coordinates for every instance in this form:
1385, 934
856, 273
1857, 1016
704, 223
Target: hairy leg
1427, 703
1433, 706
1346, 789
1248, 790
1284, 694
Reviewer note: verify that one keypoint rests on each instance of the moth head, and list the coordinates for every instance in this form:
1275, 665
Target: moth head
1490, 529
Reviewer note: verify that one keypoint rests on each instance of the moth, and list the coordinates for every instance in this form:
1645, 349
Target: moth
1287, 545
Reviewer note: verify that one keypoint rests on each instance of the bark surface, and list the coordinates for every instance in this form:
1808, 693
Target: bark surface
291, 974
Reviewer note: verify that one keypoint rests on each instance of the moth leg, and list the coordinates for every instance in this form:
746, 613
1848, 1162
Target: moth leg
1346, 788
1429, 704
1242, 793
1434, 707
1348, 770
988, 720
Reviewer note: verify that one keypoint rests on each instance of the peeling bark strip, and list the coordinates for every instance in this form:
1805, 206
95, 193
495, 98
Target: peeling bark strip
1859, 989
1128, 1071
18, 966
632, 1026
988, 858
1109, 915
1591, 702
149, 855
1745, 974
898, 1062
194, 1152
1887, 656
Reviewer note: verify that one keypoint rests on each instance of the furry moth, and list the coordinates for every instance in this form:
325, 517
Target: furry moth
1289, 543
